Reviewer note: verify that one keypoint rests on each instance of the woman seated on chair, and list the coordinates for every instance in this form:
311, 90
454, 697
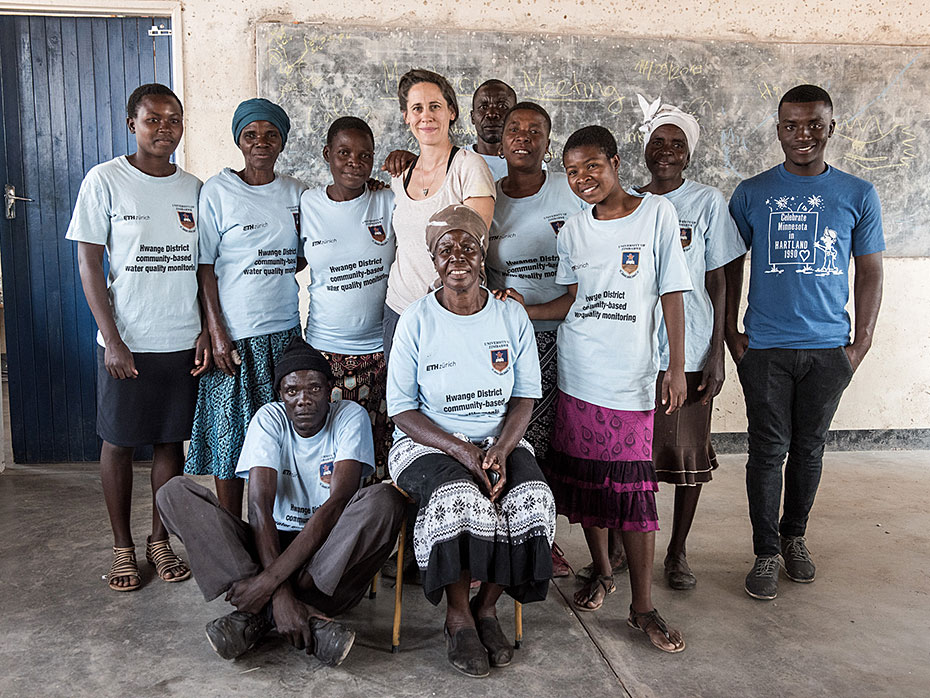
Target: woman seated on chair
462, 378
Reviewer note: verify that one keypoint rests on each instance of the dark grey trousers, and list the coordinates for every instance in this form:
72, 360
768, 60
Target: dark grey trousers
221, 548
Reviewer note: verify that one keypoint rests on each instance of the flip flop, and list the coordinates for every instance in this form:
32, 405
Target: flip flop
643, 621
606, 581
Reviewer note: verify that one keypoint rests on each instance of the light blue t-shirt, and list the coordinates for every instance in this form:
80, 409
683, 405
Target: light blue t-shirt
709, 239
350, 248
802, 232
608, 353
149, 227
496, 163
462, 370
250, 236
522, 251
305, 465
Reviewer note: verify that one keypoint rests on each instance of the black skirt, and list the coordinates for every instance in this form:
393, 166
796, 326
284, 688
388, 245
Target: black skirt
157, 407
458, 528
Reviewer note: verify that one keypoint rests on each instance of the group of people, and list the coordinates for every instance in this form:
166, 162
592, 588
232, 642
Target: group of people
543, 343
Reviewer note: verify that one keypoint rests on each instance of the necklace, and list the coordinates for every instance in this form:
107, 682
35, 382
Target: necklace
431, 181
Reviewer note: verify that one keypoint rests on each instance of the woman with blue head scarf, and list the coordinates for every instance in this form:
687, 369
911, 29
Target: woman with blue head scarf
249, 254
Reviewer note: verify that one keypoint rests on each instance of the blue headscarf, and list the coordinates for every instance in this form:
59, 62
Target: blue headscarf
259, 109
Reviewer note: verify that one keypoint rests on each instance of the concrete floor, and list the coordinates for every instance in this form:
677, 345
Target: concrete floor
862, 629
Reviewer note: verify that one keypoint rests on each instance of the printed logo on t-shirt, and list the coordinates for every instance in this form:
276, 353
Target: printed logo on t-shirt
686, 237
556, 226
131, 218
186, 217
295, 211
629, 263
500, 359
794, 222
377, 233
326, 472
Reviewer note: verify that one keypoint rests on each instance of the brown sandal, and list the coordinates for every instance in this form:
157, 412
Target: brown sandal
160, 554
124, 565
605, 581
643, 621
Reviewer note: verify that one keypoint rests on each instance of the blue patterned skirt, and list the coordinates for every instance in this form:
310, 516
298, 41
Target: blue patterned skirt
226, 404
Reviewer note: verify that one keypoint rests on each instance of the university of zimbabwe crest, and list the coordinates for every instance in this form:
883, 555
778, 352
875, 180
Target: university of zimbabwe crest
629, 262
377, 233
556, 226
686, 237
500, 359
326, 472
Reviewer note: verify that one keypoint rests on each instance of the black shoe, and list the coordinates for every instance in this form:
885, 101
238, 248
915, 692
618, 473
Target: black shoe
237, 632
331, 641
500, 649
762, 580
678, 573
798, 564
466, 653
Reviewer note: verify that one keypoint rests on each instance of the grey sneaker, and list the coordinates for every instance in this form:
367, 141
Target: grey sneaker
234, 634
762, 580
331, 641
798, 564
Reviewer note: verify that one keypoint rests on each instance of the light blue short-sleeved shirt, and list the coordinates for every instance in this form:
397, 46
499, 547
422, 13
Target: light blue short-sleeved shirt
608, 347
709, 239
462, 370
149, 227
305, 465
250, 236
350, 248
522, 251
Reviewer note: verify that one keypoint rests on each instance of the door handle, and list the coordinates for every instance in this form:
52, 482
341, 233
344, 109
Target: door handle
9, 201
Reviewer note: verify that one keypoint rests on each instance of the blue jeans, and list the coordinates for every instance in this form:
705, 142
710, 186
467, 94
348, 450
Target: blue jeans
791, 397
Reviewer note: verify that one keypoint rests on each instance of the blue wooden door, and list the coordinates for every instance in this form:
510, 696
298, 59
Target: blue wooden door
64, 82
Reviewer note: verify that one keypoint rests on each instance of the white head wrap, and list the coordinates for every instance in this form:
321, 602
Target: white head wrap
655, 115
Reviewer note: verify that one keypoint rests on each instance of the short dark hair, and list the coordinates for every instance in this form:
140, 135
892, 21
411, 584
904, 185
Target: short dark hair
806, 93
529, 106
418, 75
348, 123
598, 136
152, 88
492, 81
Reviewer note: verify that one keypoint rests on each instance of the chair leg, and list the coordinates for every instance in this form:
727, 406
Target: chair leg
399, 588
517, 624
373, 592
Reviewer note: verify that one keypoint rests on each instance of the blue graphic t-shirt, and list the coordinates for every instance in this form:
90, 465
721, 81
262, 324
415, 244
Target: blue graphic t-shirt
802, 232
462, 370
521, 252
250, 236
709, 239
350, 248
305, 465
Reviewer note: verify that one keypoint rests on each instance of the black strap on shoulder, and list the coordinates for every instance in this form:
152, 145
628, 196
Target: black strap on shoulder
413, 164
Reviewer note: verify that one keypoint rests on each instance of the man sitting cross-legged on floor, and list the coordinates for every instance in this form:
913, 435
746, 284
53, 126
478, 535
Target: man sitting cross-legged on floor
314, 539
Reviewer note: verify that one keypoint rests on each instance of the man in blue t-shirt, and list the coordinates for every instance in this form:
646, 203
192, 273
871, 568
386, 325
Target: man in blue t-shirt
803, 221
314, 538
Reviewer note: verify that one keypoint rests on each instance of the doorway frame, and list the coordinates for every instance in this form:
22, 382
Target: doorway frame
137, 8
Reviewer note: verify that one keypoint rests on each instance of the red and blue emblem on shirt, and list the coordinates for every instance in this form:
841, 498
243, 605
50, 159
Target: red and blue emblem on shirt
556, 226
500, 359
326, 472
686, 237
377, 233
186, 219
296, 215
629, 262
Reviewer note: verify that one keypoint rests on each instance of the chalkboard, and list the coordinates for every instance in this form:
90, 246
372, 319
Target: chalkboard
319, 73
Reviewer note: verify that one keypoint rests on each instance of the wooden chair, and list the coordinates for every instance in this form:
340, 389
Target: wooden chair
399, 591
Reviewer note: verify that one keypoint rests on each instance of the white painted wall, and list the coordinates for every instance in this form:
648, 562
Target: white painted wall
892, 387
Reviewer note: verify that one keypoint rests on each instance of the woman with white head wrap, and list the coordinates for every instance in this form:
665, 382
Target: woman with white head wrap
682, 451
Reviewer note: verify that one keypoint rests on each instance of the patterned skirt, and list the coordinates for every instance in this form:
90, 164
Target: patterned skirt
362, 378
226, 404
539, 432
682, 453
457, 528
600, 467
